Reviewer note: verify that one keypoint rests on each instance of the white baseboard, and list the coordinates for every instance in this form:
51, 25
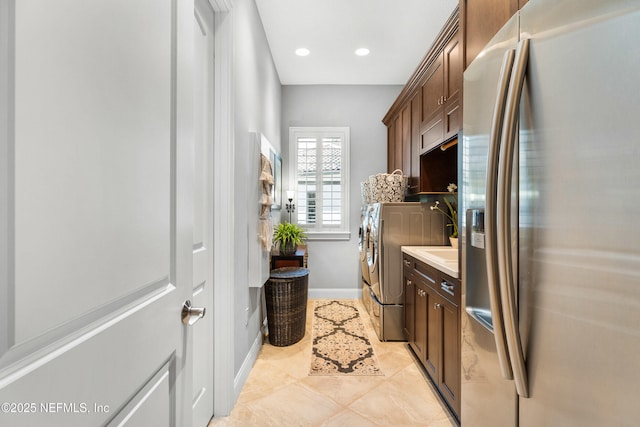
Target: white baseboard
335, 293
248, 363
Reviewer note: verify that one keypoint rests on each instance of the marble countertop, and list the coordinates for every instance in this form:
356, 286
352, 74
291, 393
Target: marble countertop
444, 258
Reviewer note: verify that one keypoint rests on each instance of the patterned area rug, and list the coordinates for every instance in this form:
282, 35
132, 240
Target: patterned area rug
340, 343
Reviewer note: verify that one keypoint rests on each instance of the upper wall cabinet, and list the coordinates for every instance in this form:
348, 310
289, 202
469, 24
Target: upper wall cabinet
428, 110
441, 112
399, 145
399, 141
481, 21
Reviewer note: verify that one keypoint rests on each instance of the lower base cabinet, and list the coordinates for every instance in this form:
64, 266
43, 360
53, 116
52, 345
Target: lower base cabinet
432, 325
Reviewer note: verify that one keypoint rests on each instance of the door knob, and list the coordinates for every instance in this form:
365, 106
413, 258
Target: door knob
191, 315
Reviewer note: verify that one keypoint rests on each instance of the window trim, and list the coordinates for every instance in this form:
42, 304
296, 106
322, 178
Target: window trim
318, 233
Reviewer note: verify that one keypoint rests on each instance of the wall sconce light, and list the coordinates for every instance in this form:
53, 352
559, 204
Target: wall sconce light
291, 207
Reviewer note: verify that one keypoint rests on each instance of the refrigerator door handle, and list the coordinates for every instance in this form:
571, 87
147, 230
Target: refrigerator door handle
508, 282
490, 215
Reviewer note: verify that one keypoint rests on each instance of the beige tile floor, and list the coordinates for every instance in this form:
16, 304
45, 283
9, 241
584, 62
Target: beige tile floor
280, 392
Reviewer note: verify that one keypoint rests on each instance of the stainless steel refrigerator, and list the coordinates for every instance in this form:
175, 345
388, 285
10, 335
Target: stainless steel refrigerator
551, 232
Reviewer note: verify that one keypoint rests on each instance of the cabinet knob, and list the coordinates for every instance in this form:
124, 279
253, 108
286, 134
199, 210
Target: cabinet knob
436, 306
409, 283
407, 263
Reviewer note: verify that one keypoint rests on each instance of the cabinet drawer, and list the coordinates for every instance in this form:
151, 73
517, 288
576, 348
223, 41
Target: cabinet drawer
445, 285
428, 273
431, 135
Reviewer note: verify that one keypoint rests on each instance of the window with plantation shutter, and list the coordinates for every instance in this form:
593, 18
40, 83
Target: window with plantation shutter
320, 159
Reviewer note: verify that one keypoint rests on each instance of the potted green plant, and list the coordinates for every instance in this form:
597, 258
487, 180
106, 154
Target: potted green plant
288, 236
452, 215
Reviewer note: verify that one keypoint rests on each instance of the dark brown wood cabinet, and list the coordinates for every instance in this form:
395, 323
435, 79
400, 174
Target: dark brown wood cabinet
433, 353
391, 146
414, 175
481, 20
432, 325
432, 91
428, 111
431, 125
441, 93
406, 139
420, 342
449, 329
453, 68
399, 142
409, 302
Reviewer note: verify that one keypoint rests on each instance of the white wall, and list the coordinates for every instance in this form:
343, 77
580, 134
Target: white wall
334, 267
257, 106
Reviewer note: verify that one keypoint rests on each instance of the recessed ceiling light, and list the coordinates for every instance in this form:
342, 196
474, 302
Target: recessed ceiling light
363, 51
303, 51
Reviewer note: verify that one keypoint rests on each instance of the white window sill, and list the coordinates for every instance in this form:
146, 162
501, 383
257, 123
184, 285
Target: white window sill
327, 236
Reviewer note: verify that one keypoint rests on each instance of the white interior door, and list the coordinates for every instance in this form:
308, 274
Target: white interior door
96, 214
203, 212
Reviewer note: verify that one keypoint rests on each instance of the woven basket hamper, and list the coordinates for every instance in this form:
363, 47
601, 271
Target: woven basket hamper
286, 300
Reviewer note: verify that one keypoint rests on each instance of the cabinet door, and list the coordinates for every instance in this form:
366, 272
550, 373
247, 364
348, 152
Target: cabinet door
434, 335
449, 381
420, 321
452, 115
391, 146
482, 20
452, 63
399, 141
406, 139
416, 113
432, 91
397, 156
409, 308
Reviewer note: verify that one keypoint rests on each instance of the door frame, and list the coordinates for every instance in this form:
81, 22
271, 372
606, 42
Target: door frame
7, 91
223, 210
202, 354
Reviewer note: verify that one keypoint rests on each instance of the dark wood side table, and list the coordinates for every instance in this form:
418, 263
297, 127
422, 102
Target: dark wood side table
296, 260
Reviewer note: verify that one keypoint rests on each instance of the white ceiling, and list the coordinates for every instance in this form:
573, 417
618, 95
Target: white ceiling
397, 32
